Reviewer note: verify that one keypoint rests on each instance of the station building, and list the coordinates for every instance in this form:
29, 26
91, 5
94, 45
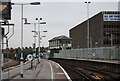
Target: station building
59, 43
104, 31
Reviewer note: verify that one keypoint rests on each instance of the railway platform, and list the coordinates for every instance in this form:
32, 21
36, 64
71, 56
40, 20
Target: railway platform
46, 70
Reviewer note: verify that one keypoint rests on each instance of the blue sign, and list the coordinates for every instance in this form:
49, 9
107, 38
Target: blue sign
111, 17
41, 54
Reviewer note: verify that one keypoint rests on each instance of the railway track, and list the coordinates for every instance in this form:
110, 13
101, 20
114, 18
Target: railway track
102, 75
83, 73
76, 75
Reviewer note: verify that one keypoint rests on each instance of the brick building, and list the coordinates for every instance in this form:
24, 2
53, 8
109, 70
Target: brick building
104, 31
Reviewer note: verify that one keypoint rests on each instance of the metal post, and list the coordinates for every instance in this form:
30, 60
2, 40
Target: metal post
111, 54
111, 40
39, 38
2, 64
88, 25
1, 52
21, 59
35, 37
37, 32
35, 45
39, 35
88, 29
90, 42
7, 55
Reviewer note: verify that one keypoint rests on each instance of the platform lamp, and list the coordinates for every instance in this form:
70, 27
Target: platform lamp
21, 59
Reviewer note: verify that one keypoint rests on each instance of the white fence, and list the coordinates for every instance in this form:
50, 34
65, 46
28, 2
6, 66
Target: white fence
91, 53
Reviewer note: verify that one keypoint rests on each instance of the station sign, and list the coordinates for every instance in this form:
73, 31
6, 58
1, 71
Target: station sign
111, 17
5, 9
30, 57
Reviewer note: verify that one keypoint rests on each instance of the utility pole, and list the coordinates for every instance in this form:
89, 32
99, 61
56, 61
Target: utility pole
88, 27
0, 54
21, 58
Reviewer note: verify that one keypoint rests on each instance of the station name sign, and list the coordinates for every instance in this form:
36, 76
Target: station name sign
111, 17
5, 9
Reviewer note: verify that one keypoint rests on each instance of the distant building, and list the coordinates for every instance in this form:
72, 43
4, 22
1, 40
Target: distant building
104, 31
59, 43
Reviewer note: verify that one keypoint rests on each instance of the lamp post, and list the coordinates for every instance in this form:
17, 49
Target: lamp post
1, 59
35, 32
39, 34
88, 28
39, 38
21, 59
34, 45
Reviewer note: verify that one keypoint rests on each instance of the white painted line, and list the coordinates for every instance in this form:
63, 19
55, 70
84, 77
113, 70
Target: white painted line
65, 73
60, 73
51, 69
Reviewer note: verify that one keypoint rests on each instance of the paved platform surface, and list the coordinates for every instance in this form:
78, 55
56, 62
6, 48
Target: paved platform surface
46, 70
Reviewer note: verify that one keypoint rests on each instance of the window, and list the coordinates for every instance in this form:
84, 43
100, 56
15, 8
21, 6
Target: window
106, 42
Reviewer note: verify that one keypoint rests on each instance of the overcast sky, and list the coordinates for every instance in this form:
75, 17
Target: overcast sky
60, 16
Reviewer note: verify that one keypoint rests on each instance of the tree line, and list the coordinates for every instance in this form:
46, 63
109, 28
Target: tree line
15, 53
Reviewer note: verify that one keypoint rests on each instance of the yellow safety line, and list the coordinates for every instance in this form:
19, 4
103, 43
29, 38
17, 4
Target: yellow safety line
51, 69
